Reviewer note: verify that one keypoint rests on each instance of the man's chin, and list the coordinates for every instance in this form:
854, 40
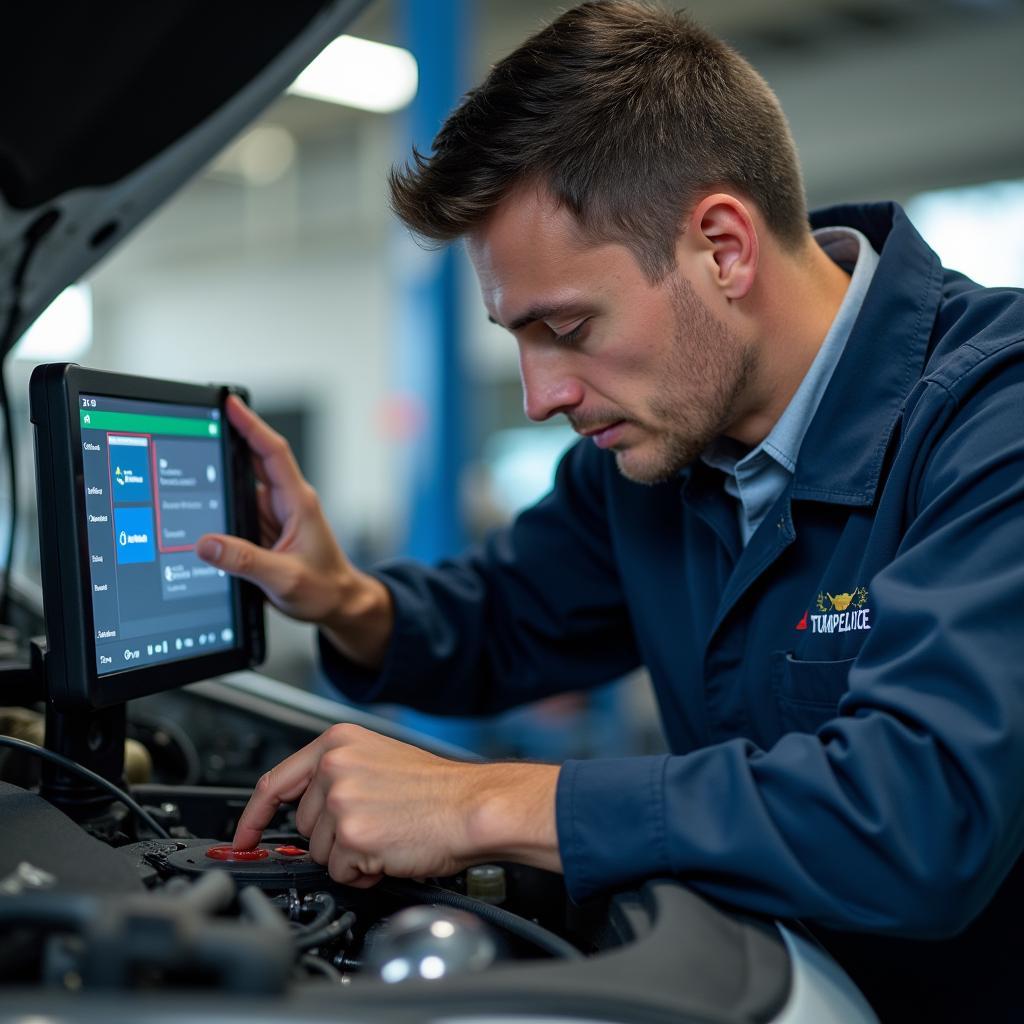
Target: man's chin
651, 470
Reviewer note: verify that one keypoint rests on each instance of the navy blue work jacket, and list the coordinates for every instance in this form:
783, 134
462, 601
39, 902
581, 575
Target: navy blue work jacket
843, 697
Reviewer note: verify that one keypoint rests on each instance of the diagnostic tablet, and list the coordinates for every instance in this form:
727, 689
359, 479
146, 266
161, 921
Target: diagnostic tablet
130, 472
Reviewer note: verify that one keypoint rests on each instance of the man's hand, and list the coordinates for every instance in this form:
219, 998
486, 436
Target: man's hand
300, 566
372, 806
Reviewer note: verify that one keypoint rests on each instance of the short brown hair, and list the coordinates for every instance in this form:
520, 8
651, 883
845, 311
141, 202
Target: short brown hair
627, 113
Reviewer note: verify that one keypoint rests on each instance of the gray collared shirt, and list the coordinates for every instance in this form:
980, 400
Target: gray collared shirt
756, 478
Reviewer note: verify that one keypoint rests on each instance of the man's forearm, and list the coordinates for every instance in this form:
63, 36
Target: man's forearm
361, 625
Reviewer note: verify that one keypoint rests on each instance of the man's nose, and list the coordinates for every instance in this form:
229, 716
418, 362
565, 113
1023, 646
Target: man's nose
548, 385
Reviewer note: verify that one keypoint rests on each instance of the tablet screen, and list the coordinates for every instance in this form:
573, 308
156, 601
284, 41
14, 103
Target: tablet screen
153, 474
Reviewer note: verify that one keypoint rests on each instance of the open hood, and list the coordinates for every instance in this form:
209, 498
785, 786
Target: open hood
106, 109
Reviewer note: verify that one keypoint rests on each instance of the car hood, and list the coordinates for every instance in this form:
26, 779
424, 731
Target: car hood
108, 108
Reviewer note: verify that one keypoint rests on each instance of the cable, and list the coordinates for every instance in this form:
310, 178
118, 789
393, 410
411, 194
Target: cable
504, 919
73, 766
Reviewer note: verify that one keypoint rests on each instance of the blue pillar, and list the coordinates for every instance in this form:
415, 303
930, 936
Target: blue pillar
430, 373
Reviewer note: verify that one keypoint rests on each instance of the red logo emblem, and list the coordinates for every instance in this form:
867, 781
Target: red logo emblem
802, 624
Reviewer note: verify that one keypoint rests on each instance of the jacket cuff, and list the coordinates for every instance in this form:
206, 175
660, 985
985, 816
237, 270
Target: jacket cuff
610, 815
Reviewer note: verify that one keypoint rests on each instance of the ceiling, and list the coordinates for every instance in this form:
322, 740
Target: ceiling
886, 97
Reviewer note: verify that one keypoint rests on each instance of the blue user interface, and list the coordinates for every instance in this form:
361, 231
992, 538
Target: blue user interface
154, 483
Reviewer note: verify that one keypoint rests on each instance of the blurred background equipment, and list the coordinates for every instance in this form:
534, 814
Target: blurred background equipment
280, 266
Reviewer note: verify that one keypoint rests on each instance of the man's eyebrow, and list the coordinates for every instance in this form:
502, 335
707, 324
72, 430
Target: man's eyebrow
536, 313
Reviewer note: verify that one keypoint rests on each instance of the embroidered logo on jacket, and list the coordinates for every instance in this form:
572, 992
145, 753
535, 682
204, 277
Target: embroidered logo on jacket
840, 613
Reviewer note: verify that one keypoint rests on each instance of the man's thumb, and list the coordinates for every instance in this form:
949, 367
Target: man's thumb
238, 557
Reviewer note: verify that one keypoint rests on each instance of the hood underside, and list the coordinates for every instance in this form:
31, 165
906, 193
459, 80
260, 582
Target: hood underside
108, 108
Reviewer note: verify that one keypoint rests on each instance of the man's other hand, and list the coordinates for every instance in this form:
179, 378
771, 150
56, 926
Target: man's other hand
300, 566
371, 806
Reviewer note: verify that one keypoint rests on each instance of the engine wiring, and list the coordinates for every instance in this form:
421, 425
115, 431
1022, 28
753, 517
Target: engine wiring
73, 766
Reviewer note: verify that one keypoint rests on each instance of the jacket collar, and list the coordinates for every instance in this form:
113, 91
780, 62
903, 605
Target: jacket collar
842, 454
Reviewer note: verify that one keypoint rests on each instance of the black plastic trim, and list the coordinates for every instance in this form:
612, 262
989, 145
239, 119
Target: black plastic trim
72, 679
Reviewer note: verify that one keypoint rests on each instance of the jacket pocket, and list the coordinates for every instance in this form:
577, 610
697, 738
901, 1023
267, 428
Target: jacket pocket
808, 692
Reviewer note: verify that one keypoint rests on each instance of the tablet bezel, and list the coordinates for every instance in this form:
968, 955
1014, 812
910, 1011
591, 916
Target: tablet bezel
72, 678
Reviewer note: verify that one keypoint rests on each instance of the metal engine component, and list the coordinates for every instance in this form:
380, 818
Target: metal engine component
430, 943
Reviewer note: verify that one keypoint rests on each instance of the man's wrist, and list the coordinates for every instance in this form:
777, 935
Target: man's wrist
362, 619
511, 814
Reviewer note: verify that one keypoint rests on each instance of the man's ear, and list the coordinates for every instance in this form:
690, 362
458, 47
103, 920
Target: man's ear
722, 232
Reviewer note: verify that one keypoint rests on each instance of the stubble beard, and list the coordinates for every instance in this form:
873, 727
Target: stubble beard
706, 372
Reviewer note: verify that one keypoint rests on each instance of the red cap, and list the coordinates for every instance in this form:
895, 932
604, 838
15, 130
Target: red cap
230, 853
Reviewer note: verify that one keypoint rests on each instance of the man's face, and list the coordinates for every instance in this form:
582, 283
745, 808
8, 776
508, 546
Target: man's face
645, 370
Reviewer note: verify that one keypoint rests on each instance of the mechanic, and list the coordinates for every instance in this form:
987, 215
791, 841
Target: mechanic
798, 503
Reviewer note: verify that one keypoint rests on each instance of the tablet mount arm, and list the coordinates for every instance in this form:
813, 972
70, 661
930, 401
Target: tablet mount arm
92, 737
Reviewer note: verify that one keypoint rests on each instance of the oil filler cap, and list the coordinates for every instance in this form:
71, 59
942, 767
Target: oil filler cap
275, 867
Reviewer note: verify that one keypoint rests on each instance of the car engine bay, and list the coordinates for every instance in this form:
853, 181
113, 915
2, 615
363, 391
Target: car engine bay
119, 922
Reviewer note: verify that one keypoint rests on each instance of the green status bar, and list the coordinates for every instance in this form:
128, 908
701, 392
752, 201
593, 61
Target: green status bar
140, 423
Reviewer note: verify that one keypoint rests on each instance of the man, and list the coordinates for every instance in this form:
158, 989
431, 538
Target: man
797, 502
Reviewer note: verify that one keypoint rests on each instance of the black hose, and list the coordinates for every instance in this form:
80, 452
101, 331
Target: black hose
73, 766
318, 966
530, 932
209, 893
324, 916
335, 930
261, 911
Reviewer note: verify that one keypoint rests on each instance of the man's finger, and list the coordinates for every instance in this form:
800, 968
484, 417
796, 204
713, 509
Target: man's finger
341, 868
270, 525
275, 457
321, 839
346, 867
270, 571
259, 470
364, 881
310, 808
247, 836
285, 783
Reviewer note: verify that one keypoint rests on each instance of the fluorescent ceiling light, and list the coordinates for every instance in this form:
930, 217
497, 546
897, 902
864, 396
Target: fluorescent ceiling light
63, 331
359, 73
